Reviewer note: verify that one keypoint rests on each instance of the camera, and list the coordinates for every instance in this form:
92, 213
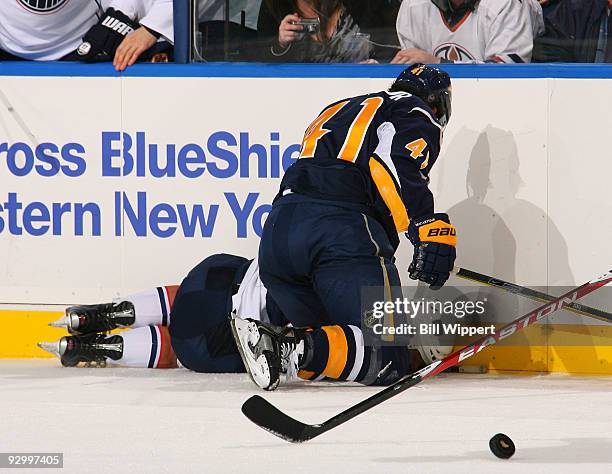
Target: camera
310, 25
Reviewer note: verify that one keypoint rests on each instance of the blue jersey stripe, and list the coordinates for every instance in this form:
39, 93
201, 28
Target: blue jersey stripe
164, 308
154, 344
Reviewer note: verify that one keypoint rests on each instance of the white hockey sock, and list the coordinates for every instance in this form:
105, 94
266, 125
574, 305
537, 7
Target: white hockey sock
151, 307
146, 347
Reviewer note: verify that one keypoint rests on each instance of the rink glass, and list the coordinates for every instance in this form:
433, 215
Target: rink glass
245, 30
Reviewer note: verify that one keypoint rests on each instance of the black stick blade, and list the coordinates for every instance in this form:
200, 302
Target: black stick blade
267, 416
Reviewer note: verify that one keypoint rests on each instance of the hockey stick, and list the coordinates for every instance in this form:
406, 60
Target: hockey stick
530, 293
267, 416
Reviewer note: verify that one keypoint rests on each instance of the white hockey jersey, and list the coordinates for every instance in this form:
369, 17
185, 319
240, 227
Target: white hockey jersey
50, 29
250, 299
154, 14
496, 31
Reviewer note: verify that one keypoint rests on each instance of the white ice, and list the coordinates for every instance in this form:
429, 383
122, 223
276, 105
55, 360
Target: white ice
131, 420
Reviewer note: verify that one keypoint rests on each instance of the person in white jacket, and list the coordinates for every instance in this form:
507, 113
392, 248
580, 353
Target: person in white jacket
467, 31
54, 29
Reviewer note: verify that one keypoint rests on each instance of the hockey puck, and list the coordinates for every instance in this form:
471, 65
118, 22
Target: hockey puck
502, 446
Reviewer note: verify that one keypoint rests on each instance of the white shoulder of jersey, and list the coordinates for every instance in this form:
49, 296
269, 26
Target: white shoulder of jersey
250, 299
412, 16
511, 26
497, 6
531, 9
45, 31
537, 17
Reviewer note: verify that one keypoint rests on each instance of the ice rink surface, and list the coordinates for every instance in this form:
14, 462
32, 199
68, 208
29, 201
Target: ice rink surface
131, 420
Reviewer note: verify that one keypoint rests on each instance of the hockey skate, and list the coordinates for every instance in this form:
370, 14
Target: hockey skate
269, 351
91, 350
96, 318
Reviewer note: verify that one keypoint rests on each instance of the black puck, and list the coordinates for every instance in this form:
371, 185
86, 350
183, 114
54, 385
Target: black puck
502, 446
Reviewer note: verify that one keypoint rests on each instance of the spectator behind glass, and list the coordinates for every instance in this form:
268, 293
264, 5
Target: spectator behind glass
468, 31
341, 32
577, 31
54, 29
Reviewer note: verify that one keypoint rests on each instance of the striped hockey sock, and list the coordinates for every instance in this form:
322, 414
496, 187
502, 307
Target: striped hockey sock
340, 353
152, 307
337, 352
147, 347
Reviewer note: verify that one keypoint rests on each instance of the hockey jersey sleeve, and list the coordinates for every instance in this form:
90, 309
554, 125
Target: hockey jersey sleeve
409, 144
513, 26
156, 15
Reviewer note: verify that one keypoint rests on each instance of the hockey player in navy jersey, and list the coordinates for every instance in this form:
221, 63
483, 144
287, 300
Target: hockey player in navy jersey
361, 178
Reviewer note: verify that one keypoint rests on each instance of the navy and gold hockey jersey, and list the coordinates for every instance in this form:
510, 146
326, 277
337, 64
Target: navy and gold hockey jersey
375, 150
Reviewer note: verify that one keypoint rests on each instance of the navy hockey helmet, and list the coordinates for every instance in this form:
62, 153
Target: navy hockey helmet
429, 83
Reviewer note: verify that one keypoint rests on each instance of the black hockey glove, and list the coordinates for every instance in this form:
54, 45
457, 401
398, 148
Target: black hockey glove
434, 239
103, 39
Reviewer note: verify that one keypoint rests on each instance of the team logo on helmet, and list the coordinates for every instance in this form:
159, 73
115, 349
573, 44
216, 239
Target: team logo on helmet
453, 52
42, 6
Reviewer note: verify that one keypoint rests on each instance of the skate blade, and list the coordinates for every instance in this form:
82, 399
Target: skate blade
51, 347
61, 322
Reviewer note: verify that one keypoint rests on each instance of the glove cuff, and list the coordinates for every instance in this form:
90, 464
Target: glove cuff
428, 218
432, 228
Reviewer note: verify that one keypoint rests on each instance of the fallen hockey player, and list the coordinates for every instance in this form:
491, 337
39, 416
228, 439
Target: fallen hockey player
173, 326
169, 326
319, 249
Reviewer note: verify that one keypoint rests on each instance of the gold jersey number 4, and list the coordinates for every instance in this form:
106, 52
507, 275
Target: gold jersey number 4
417, 147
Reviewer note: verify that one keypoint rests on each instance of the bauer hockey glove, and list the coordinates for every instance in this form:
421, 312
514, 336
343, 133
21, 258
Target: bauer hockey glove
103, 39
434, 239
